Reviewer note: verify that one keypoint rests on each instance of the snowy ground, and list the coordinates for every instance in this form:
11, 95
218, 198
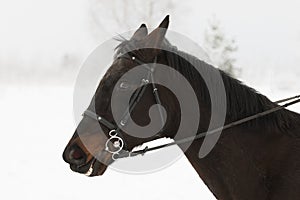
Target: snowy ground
36, 124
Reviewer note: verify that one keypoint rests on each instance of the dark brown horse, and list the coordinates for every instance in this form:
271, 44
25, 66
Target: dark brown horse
256, 160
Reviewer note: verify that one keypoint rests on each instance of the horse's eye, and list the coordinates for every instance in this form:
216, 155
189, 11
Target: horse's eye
124, 85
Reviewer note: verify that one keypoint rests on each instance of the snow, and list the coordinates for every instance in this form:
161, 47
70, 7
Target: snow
37, 123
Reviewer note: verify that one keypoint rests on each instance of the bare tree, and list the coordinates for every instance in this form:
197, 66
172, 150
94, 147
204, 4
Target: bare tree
220, 48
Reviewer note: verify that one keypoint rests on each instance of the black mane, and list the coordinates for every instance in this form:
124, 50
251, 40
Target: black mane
242, 101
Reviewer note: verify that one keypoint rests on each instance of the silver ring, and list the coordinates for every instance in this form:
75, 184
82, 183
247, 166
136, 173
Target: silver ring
119, 148
112, 133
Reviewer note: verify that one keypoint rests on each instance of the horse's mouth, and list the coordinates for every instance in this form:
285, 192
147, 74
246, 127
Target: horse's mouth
92, 168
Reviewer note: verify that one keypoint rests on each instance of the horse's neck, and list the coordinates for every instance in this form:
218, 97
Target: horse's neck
232, 169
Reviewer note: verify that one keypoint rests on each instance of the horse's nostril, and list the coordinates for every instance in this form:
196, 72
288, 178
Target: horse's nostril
76, 155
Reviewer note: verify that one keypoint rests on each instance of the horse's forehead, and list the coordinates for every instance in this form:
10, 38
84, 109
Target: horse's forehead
118, 65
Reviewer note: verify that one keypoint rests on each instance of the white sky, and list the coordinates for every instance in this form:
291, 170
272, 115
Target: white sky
267, 32
38, 33
40, 29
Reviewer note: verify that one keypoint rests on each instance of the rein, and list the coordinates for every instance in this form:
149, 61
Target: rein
117, 139
125, 154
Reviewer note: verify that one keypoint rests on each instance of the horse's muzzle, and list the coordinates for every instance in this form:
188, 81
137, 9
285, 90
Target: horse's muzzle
79, 162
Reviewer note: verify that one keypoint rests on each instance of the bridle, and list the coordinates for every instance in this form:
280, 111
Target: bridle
115, 135
118, 140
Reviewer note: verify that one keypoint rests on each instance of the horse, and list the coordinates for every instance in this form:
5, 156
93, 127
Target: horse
254, 160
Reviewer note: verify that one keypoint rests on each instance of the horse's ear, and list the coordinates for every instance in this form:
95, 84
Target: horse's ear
141, 33
156, 37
